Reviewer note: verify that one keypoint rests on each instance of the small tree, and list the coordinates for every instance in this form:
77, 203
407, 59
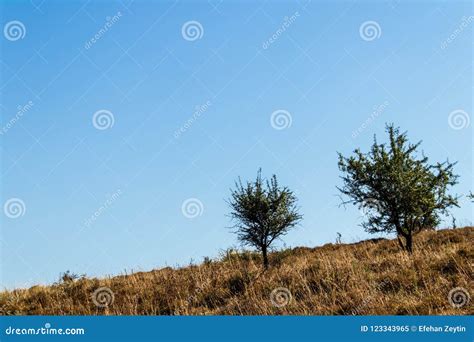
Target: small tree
400, 192
263, 212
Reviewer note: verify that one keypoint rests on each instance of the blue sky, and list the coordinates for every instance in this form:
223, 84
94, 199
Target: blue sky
181, 113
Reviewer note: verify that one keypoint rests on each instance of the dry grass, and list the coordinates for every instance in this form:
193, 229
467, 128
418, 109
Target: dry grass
366, 278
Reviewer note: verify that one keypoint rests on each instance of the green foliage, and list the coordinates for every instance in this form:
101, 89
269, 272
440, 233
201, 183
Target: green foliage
263, 212
69, 277
471, 196
399, 191
207, 261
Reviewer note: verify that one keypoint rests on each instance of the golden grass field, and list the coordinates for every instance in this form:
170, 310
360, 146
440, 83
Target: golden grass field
365, 278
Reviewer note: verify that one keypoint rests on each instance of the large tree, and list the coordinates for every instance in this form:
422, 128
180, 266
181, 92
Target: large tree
263, 212
398, 189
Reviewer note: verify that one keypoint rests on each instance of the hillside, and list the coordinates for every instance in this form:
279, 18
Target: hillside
365, 278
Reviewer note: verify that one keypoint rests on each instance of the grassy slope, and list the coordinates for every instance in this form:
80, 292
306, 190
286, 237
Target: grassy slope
366, 278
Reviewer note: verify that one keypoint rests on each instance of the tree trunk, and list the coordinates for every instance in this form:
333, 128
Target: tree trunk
400, 242
265, 257
409, 243
408, 246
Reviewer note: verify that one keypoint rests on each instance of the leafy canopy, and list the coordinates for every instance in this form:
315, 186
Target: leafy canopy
262, 211
400, 191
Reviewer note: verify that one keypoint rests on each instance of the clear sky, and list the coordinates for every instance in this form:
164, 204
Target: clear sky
117, 115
